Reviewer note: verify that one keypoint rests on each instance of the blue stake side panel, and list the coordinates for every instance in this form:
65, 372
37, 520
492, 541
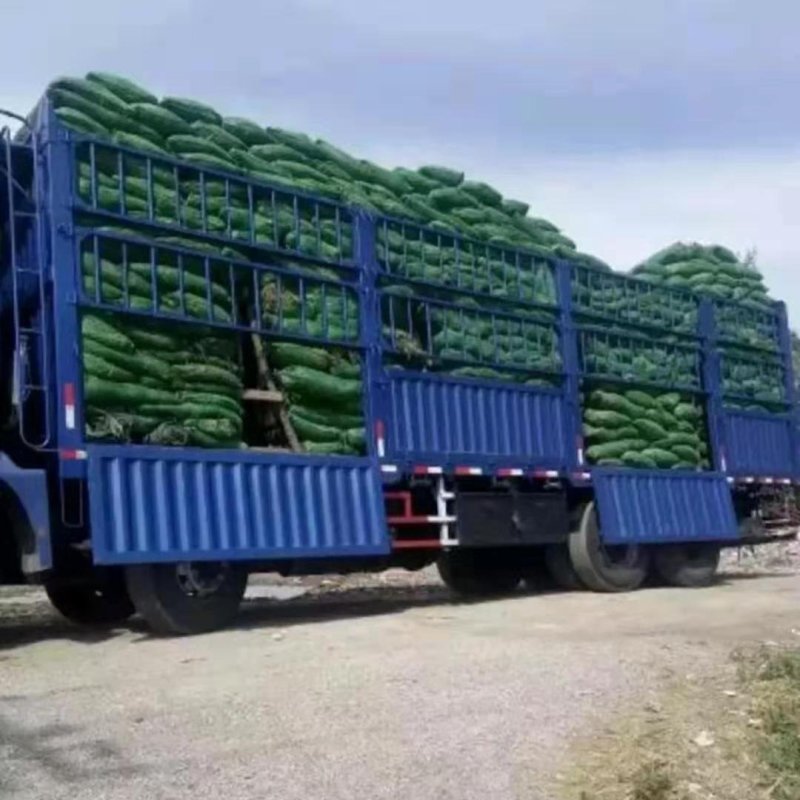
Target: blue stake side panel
759, 444
434, 419
152, 504
657, 507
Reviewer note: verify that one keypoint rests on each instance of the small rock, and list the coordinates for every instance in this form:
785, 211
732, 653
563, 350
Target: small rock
755, 722
694, 788
277, 637
704, 739
770, 643
730, 693
653, 707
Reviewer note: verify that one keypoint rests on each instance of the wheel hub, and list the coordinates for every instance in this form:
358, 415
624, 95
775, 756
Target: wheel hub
200, 579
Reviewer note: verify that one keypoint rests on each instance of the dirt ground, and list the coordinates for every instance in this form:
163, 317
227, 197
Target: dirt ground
372, 686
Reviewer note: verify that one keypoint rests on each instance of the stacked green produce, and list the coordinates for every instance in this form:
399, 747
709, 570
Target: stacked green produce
107, 105
752, 373
160, 385
325, 390
113, 107
710, 270
647, 429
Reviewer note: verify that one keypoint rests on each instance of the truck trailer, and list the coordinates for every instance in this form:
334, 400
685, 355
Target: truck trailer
480, 468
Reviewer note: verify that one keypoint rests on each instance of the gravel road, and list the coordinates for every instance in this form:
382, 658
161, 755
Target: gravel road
378, 688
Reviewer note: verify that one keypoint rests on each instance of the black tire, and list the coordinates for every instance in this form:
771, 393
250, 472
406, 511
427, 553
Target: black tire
603, 568
187, 598
688, 565
101, 602
560, 569
479, 572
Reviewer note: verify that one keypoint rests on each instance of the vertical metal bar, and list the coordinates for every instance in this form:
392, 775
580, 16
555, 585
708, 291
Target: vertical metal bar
154, 278
98, 295
317, 228
376, 395
179, 220
125, 268
258, 321
275, 227
251, 222
209, 298
785, 344
573, 424
712, 384
149, 179
123, 205
203, 210
93, 174
232, 289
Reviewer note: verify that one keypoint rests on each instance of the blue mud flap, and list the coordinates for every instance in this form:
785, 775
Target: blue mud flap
654, 507
150, 504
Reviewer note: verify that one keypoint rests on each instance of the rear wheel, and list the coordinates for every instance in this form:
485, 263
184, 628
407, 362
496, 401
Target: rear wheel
479, 573
603, 568
560, 569
186, 598
103, 600
689, 565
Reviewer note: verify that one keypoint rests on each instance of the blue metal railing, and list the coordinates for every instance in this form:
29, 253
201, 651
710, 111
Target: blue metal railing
174, 283
125, 186
432, 258
608, 297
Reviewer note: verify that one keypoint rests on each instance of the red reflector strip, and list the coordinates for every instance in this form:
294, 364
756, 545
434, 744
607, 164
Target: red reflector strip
468, 471
72, 455
509, 472
413, 544
427, 470
545, 473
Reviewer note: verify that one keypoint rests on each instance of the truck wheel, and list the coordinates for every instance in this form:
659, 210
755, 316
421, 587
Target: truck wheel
615, 568
103, 601
689, 565
560, 569
476, 573
186, 598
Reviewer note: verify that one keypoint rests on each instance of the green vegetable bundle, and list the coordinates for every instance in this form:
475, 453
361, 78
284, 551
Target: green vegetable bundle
110, 106
645, 429
710, 270
159, 386
324, 388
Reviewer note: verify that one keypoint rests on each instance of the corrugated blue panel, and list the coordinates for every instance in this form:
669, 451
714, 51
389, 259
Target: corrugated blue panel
663, 506
758, 444
160, 504
446, 419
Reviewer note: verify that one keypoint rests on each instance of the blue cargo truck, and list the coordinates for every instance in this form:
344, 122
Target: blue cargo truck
486, 478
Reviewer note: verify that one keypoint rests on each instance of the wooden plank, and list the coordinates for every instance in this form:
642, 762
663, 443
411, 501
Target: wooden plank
266, 379
263, 395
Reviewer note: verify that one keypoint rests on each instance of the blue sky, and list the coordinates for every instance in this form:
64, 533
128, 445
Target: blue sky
629, 124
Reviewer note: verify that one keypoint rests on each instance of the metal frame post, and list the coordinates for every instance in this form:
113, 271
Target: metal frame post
712, 383
569, 357
375, 383
785, 343
57, 157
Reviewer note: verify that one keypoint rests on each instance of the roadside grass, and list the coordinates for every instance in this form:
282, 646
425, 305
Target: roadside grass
774, 681
730, 735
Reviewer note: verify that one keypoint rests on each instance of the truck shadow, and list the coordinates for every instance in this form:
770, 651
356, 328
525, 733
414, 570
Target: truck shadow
313, 607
